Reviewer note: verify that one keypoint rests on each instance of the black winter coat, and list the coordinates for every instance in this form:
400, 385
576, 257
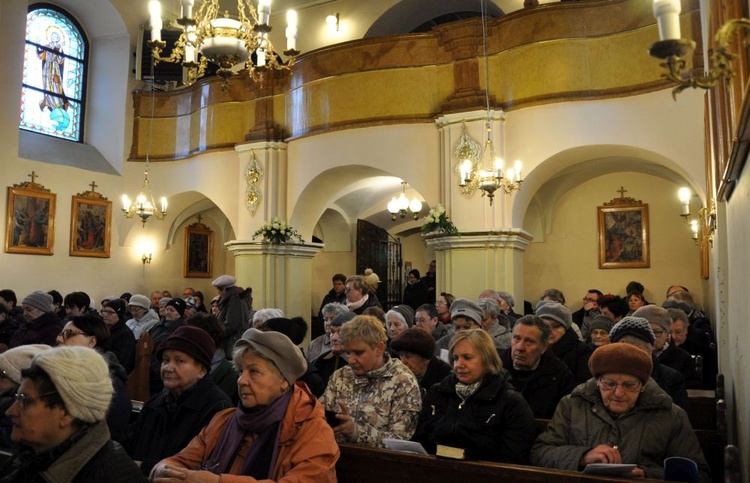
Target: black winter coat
575, 354
121, 343
42, 330
544, 386
436, 371
672, 382
166, 426
681, 361
493, 424
118, 415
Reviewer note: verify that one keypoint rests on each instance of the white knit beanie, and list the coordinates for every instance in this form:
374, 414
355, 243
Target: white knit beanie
81, 377
14, 360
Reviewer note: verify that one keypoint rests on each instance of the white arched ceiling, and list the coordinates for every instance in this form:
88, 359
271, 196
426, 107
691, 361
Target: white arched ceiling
207, 209
559, 174
565, 170
355, 192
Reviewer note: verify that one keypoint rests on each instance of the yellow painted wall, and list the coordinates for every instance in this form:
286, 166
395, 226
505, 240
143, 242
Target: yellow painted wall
567, 259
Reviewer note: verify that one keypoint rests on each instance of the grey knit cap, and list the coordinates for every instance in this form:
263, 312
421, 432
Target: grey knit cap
277, 348
655, 315
81, 377
404, 312
557, 312
466, 308
39, 300
601, 322
140, 301
635, 326
14, 360
507, 297
341, 319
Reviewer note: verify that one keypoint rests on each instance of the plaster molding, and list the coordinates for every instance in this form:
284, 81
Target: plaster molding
248, 247
514, 238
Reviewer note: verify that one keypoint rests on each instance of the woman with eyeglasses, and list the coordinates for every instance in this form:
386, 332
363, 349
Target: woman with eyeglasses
121, 340
12, 362
90, 331
619, 416
58, 422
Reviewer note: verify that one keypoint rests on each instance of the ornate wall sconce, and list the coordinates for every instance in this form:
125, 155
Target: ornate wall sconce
146, 258
702, 227
673, 50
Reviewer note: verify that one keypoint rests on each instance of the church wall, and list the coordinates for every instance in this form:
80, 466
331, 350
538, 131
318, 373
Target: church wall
734, 281
568, 257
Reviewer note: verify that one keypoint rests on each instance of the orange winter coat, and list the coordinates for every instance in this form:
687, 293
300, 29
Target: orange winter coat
307, 447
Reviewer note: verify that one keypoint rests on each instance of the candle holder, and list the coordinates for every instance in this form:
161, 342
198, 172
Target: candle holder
675, 51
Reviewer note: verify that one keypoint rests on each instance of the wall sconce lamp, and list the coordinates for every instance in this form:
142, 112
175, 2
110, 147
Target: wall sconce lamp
673, 50
703, 227
146, 258
333, 21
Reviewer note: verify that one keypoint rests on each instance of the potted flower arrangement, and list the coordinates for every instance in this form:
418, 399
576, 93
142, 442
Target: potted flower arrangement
277, 231
437, 221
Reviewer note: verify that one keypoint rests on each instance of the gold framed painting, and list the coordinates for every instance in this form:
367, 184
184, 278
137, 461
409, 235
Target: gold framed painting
30, 219
198, 257
623, 234
90, 225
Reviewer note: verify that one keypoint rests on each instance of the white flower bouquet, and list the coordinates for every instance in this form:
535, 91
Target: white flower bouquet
277, 231
437, 221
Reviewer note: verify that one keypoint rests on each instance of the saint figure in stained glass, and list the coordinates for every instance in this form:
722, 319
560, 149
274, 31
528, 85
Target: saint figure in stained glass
54, 74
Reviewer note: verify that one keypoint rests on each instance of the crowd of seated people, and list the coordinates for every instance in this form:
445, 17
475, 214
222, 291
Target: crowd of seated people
242, 397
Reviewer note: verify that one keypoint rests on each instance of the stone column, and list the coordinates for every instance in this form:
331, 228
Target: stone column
476, 261
280, 274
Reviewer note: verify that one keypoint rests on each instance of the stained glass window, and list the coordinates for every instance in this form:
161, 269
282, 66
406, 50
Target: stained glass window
54, 74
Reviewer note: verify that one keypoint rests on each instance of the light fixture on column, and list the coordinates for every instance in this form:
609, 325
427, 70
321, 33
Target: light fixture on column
400, 205
223, 40
673, 50
333, 21
486, 171
703, 227
144, 205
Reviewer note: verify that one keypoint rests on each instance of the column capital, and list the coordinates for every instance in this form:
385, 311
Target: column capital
513, 238
249, 247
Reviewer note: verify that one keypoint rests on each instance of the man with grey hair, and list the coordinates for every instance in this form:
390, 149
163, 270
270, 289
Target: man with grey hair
322, 344
491, 324
535, 372
664, 348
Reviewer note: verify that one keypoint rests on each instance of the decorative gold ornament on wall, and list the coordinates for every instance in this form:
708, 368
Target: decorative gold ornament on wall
253, 176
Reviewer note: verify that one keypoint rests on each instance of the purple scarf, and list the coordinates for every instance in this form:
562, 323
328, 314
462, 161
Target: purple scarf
265, 426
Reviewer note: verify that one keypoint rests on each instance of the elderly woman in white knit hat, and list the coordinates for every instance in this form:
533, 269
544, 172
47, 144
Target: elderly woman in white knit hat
11, 363
59, 422
278, 432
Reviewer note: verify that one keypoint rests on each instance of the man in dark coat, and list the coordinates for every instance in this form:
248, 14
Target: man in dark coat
564, 342
235, 309
535, 372
680, 329
336, 294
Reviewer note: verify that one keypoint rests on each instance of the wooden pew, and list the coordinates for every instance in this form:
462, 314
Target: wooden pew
702, 409
361, 464
732, 465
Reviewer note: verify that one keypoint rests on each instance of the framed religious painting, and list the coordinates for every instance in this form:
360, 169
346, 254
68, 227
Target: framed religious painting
90, 225
199, 243
30, 219
623, 234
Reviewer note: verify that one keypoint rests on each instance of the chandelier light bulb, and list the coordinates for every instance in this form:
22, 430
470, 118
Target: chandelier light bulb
415, 206
186, 7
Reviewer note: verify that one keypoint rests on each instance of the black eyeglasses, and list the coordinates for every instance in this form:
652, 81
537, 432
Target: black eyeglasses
68, 333
26, 401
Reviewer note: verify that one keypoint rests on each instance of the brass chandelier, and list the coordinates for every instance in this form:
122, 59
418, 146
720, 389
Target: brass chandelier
228, 42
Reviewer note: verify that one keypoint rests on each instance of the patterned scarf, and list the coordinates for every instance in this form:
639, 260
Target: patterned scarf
265, 426
464, 391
